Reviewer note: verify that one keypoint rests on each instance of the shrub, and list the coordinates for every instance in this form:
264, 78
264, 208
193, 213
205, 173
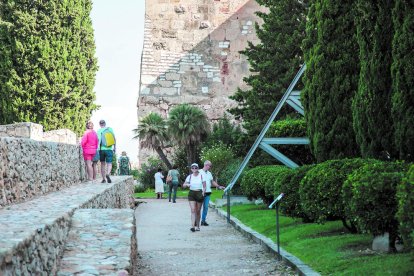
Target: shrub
289, 183
228, 173
147, 171
300, 154
373, 204
220, 156
405, 214
255, 180
321, 188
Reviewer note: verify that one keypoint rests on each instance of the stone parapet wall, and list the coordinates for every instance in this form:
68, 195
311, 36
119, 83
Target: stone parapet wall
33, 233
35, 132
30, 168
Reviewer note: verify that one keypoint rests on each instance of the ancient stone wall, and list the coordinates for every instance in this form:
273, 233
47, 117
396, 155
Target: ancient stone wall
191, 54
30, 168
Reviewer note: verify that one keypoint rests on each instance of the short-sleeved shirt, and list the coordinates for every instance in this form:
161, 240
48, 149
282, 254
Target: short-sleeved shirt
99, 132
208, 178
196, 182
174, 174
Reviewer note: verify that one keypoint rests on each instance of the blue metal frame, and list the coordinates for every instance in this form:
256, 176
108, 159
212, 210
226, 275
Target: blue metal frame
293, 99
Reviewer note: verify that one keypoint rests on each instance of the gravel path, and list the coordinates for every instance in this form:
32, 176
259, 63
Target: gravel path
166, 246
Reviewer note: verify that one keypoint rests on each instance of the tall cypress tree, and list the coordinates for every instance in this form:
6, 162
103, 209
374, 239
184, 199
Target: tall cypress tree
274, 62
47, 63
403, 78
371, 106
331, 79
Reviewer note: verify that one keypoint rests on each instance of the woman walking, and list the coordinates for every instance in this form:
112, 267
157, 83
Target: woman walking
196, 195
173, 175
159, 183
89, 144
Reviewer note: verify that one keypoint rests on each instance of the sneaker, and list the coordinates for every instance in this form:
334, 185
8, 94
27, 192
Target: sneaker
103, 181
107, 178
204, 223
197, 229
192, 229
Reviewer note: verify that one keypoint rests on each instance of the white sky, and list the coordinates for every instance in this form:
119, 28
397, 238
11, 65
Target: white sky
119, 35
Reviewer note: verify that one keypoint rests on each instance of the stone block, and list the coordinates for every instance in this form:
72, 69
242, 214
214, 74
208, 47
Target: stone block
165, 83
172, 76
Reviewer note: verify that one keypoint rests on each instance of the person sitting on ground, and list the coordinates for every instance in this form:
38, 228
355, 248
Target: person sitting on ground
173, 174
196, 195
89, 144
159, 183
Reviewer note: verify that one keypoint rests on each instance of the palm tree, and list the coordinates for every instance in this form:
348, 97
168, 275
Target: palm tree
188, 126
152, 132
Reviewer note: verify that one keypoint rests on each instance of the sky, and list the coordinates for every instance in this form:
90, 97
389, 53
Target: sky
119, 36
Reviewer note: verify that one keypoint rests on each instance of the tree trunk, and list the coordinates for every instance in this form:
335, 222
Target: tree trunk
163, 157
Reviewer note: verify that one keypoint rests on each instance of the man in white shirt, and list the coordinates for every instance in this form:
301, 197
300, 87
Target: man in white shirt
208, 178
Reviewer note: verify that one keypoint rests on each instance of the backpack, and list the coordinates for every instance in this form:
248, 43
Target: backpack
123, 162
107, 138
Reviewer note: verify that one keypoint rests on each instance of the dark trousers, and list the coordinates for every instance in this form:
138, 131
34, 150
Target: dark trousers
172, 188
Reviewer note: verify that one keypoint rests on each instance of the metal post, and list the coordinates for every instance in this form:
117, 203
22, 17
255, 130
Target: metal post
277, 231
277, 202
228, 206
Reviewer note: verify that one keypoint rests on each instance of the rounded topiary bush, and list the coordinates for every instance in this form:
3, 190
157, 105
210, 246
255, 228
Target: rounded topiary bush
405, 214
373, 205
321, 188
254, 182
271, 187
289, 183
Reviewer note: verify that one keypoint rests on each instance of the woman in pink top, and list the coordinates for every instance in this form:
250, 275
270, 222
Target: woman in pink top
89, 144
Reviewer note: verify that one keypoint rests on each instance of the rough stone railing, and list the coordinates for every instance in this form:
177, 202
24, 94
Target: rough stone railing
35, 132
30, 168
33, 234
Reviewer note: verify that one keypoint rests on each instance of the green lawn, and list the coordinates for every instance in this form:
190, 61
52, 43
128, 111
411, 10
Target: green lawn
329, 248
150, 193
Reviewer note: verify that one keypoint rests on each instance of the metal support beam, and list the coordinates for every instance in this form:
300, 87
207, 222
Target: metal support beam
278, 155
286, 141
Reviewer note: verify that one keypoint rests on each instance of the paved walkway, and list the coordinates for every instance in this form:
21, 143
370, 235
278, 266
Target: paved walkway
166, 246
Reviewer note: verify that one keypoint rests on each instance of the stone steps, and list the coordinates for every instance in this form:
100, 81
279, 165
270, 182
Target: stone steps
99, 243
33, 233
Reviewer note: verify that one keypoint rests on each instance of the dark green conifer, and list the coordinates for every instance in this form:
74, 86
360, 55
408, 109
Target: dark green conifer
402, 72
47, 63
371, 106
331, 55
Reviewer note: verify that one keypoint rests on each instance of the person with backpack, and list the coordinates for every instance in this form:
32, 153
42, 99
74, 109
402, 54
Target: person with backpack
172, 181
124, 165
107, 148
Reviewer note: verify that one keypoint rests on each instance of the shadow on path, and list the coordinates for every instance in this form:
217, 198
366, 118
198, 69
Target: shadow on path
166, 246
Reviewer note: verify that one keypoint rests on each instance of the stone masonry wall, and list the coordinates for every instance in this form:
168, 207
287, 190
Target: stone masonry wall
30, 168
191, 54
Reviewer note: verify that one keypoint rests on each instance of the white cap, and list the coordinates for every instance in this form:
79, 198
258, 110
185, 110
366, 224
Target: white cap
194, 165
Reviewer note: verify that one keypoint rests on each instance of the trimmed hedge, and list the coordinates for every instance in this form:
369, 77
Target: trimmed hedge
373, 205
405, 214
259, 182
289, 184
321, 190
289, 127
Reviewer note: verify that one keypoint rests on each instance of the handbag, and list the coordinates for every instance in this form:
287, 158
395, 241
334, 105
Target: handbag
169, 178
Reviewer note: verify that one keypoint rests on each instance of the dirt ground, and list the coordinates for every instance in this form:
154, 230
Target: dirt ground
166, 246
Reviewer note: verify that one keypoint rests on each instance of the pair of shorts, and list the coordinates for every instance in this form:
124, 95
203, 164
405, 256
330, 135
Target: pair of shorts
96, 157
106, 156
196, 196
87, 156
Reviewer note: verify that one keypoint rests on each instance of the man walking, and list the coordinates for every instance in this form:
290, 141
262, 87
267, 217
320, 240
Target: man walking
208, 178
106, 147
